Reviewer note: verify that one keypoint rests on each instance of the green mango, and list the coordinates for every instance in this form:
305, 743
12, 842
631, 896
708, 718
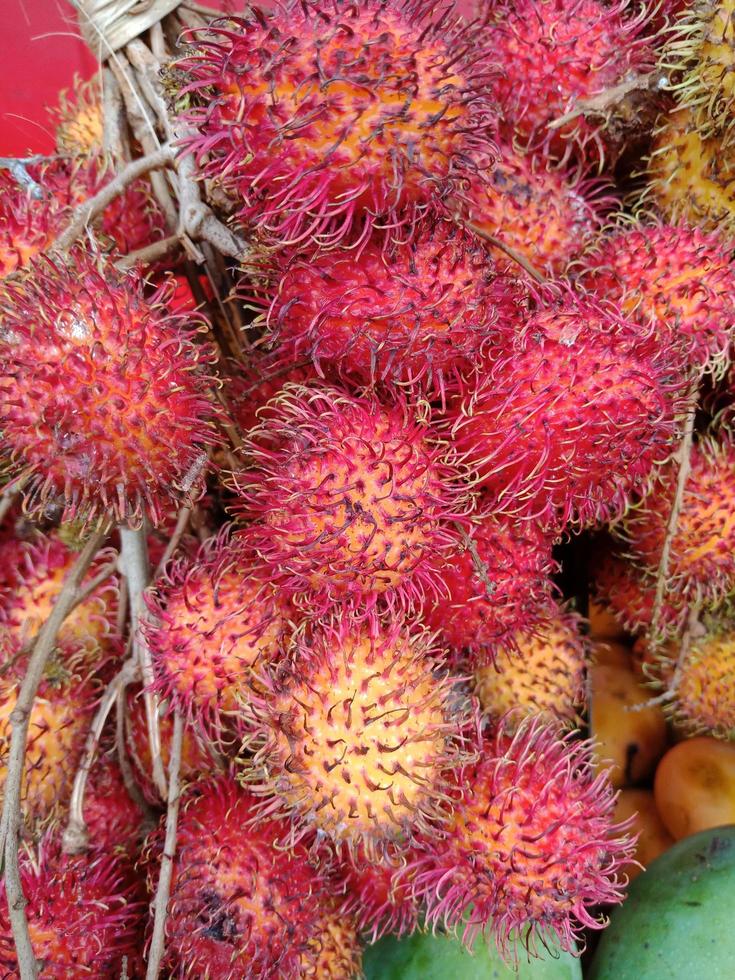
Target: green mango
428, 957
678, 921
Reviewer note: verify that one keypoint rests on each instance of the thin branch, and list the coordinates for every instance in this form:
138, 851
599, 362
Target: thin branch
104, 573
519, 259
598, 104
88, 210
75, 839
150, 253
126, 769
134, 566
18, 168
10, 824
163, 889
692, 629
479, 565
113, 120
173, 543
7, 499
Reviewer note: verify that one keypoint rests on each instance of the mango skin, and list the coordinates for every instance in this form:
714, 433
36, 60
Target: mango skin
424, 956
677, 921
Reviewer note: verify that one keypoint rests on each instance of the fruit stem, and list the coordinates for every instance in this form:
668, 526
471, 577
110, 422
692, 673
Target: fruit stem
163, 889
519, 259
10, 824
134, 566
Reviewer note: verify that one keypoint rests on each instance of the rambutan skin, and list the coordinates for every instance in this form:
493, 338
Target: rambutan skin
377, 893
532, 846
358, 736
497, 594
213, 624
113, 819
544, 676
78, 118
335, 950
27, 225
240, 906
410, 313
263, 378
350, 498
701, 566
571, 419
553, 55
675, 277
542, 212
84, 914
105, 406
318, 115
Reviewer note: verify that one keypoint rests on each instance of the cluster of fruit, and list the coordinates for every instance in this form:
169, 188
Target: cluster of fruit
483, 393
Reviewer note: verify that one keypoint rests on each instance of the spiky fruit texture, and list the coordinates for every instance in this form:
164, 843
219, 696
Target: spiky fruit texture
358, 737
84, 915
497, 594
378, 894
240, 906
702, 48
532, 847
112, 817
263, 378
78, 118
543, 677
701, 563
32, 586
629, 590
213, 625
691, 178
553, 55
198, 756
56, 732
537, 209
335, 951
351, 497
320, 114
408, 313
571, 419
27, 225
675, 277
105, 405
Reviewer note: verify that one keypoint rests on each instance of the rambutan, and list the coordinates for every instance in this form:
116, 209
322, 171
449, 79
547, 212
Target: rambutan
531, 847
317, 115
105, 405
676, 278
691, 178
28, 225
700, 52
263, 378
198, 755
411, 313
240, 906
57, 729
84, 914
213, 624
629, 590
701, 565
553, 56
351, 496
542, 677
378, 893
572, 418
499, 584
78, 119
537, 209
113, 819
31, 588
358, 736
334, 951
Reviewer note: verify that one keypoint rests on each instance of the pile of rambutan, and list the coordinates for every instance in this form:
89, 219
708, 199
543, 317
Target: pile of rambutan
357, 362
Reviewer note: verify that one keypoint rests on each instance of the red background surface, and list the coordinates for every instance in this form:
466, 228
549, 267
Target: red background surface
40, 51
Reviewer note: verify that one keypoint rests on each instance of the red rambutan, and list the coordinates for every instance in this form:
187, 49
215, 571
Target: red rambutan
497, 594
28, 225
676, 278
104, 401
571, 420
351, 496
240, 906
378, 893
334, 951
57, 730
532, 845
537, 209
213, 624
84, 914
113, 818
411, 312
318, 114
264, 377
358, 736
701, 563
553, 55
